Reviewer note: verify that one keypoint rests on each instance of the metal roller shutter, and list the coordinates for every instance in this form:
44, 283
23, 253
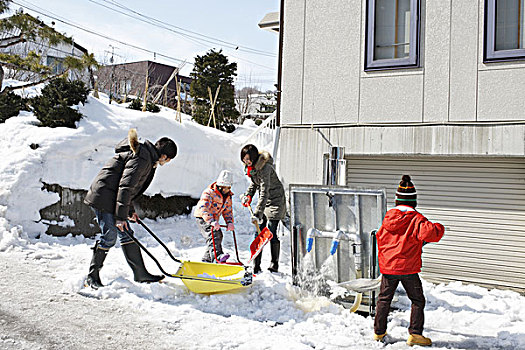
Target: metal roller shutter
481, 202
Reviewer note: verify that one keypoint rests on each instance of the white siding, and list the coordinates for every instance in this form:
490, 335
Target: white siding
400, 99
481, 202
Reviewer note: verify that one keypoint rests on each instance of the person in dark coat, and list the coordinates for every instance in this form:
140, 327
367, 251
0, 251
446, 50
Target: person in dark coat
122, 180
271, 207
400, 241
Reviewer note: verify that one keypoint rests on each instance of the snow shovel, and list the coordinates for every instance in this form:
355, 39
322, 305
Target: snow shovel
263, 237
362, 285
201, 277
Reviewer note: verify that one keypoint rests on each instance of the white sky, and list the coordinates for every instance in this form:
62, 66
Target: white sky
233, 21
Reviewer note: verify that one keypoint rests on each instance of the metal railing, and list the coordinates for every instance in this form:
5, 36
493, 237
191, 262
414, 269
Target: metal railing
266, 136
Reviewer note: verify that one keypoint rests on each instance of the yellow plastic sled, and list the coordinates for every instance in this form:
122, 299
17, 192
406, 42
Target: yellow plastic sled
209, 278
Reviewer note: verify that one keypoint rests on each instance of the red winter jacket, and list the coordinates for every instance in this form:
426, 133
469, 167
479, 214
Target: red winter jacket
400, 240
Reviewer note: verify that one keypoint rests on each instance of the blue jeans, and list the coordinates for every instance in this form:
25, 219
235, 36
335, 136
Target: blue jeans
106, 221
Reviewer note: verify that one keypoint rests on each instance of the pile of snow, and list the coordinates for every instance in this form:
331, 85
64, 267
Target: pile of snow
270, 314
73, 157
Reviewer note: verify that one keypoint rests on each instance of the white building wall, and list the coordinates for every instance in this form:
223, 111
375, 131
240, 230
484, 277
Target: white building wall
324, 101
436, 31
454, 94
292, 75
464, 59
391, 98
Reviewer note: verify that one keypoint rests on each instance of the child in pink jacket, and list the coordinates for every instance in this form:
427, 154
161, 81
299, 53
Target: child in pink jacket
216, 200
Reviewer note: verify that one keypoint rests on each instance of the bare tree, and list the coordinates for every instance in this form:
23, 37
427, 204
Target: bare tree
244, 100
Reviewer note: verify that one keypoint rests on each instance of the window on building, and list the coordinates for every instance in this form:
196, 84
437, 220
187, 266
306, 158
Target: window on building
392, 34
504, 30
125, 86
56, 64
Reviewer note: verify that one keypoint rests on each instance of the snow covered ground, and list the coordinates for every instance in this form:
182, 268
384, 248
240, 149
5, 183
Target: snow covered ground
43, 304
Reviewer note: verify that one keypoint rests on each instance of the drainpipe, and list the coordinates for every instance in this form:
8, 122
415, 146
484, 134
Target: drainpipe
280, 65
334, 167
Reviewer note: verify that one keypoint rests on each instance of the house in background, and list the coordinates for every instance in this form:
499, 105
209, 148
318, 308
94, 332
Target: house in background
126, 79
51, 55
256, 106
434, 89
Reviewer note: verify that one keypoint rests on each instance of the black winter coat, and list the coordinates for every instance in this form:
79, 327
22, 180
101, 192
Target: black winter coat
123, 179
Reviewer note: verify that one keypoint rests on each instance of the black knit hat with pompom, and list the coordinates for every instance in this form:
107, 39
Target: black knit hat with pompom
406, 192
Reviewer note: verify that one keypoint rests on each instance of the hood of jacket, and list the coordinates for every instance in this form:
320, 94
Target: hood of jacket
264, 157
397, 221
132, 144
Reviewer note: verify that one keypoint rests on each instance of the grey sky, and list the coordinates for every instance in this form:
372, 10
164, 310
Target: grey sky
232, 21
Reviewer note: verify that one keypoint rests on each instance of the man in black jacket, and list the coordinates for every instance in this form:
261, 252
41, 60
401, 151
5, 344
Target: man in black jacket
122, 180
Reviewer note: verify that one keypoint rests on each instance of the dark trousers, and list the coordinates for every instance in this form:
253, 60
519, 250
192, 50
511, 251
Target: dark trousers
206, 232
272, 226
414, 289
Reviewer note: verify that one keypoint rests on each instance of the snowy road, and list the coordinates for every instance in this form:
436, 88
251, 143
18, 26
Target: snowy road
36, 314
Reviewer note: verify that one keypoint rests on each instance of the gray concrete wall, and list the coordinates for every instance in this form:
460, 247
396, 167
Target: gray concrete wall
302, 149
71, 209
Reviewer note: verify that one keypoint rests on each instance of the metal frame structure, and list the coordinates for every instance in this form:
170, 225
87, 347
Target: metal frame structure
336, 213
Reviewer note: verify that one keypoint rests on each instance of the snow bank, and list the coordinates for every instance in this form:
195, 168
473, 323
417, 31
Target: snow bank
73, 157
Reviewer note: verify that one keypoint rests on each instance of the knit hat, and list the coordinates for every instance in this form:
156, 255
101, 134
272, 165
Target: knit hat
406, 192
225, 179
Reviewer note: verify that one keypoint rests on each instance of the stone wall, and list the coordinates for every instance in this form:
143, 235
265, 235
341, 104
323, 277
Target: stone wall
71, 215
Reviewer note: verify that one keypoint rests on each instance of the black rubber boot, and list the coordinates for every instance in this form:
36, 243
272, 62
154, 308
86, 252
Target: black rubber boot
257, 264
93, 278
275, 250
134, 257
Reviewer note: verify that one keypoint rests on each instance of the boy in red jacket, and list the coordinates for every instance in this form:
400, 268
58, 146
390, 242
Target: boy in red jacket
400, 241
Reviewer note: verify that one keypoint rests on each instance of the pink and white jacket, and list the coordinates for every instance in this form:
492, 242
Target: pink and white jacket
212, 205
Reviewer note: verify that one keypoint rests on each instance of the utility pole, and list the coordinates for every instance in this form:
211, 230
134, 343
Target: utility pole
112, 77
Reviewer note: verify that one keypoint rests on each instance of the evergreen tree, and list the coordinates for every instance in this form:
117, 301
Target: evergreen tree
213, 70
136, 104
22, 27
10, 105
52, 108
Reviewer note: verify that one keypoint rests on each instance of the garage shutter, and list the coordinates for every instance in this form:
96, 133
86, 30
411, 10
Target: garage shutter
481, 202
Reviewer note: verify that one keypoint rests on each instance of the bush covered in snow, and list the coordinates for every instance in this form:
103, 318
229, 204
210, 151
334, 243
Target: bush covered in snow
136, 104
153, 108
53, 107
10, 105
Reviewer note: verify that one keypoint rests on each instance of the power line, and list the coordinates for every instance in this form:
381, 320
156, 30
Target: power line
188, 37
164, 24
56, 18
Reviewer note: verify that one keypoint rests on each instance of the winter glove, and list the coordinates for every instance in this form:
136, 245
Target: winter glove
257, 219
134, 217
230, 227
215, 225
246, 200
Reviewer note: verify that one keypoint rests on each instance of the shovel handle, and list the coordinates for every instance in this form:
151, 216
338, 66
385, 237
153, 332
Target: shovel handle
254, 222
158, 240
